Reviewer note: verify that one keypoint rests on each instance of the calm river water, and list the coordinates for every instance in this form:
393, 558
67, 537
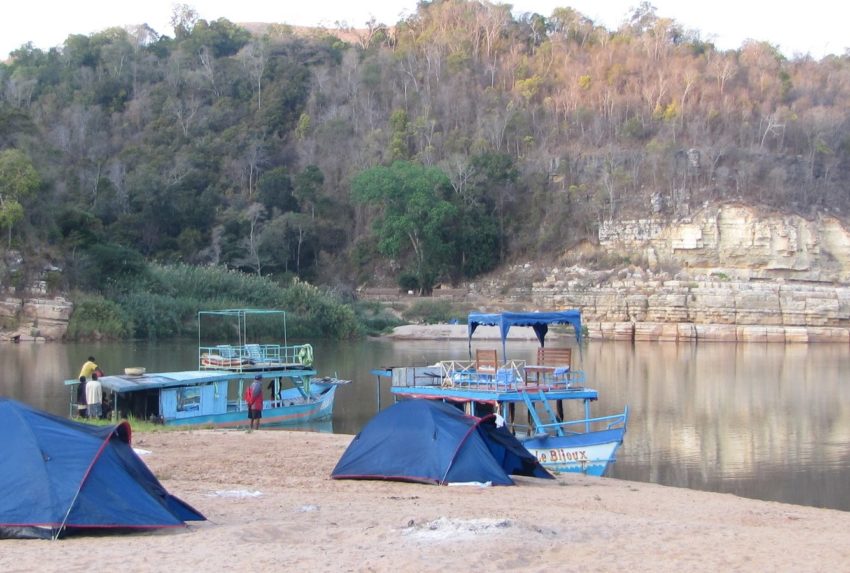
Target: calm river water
766, 421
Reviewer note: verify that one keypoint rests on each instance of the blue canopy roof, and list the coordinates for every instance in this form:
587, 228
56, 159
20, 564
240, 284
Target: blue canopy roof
126, 383
539, 321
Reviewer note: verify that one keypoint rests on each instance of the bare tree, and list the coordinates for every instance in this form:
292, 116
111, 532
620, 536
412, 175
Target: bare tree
255, 58
255, 213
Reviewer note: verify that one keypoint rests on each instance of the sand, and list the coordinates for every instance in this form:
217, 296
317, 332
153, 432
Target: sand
272, 506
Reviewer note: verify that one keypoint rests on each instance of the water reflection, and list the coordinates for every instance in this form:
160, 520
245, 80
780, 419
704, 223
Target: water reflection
766, 421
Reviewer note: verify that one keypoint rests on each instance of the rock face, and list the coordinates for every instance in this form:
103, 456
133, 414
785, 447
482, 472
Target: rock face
740, 242
37, 319
727, 273
725, 311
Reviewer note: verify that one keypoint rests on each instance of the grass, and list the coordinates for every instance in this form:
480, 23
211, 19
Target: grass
143, 425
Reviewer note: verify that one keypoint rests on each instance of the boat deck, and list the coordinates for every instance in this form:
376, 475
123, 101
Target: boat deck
485, 394
255, 357
513, 382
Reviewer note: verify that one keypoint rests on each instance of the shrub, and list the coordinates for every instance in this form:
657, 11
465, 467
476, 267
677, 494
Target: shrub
429, 312
375, 317
408, 281
97, 317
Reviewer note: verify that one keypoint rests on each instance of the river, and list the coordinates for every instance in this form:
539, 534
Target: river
766, 421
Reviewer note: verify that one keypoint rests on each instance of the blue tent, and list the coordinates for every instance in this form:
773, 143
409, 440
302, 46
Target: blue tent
429, 441
69, 477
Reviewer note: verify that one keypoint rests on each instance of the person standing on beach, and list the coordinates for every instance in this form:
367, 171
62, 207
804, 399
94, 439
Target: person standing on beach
254, 398
94, 397
82, 411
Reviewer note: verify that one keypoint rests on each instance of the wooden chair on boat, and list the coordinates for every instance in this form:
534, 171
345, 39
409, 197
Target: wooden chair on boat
486, 364
553, 365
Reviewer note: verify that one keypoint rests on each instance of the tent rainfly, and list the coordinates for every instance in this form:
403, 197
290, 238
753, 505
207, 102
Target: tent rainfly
70, 477
429, 441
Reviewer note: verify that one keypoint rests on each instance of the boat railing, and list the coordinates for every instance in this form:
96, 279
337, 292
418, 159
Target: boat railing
461, 374
253, 356
585, 425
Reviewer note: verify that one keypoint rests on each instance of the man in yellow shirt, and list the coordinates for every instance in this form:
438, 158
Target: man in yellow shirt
89, 367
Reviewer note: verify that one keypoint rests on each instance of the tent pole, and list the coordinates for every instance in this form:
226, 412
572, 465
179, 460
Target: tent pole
378, 390
80, 487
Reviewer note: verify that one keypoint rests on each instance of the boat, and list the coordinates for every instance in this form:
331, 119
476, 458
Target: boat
213, 394
486, 385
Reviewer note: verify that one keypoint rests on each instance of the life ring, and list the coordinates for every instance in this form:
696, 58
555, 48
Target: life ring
305, 355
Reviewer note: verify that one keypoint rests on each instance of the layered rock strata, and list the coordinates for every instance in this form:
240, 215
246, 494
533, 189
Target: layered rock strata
37, 319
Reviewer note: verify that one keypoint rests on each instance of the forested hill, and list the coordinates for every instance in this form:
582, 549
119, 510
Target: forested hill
430, 150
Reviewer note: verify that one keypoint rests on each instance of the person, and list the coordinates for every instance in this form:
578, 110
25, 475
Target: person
88, 368
94, 396
82, 411
254, 398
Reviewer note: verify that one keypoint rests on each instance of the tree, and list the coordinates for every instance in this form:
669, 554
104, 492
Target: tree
18, 180
399, 140
495, 178
183, 20
255, 58
308, 188
274, 190
416, 218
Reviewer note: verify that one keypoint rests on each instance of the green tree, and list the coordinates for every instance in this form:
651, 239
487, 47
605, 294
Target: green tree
308, 188
494, 177
18, 180
416, 218
275, 190
400, 138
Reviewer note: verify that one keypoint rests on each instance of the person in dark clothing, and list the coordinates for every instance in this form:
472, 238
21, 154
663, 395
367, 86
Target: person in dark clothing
82, 410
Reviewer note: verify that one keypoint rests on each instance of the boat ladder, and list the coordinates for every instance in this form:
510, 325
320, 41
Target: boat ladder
302, 385
532, 411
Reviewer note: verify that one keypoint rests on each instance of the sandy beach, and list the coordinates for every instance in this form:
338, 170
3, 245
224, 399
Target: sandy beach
272, 506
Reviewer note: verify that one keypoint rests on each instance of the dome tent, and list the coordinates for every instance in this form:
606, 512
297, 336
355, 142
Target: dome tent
71, 477
429, 441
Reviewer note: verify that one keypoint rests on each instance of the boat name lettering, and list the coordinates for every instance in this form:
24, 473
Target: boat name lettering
561, 455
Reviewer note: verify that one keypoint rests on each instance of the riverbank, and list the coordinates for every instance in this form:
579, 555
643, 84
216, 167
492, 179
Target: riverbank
271, 506
639, 332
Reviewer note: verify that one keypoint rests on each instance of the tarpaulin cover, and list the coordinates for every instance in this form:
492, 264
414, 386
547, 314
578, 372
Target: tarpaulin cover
59, 476
429, 441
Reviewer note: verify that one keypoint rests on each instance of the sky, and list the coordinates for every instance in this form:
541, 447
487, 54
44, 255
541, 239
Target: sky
815, 27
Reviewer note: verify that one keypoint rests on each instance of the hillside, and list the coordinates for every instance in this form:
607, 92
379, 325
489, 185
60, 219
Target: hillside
429, 152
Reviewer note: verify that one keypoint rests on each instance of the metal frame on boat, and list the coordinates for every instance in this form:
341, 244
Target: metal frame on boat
587, 444
213, 394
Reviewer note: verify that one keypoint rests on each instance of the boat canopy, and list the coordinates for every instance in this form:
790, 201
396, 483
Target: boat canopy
241, 316
539, 321
144, 382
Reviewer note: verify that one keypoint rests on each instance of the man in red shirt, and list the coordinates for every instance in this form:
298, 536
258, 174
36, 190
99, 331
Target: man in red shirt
254, 398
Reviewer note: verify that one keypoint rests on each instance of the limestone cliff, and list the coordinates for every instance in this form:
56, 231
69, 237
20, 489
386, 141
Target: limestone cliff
34, 318
726, 273
740, 242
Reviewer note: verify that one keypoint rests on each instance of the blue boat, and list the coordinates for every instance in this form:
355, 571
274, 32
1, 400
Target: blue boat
213, 395
485, 384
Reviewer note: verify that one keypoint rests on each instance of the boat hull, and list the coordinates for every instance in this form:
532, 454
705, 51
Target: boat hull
291, 412
589, 453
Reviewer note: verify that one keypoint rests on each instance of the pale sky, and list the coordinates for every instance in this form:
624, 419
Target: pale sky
816, 27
